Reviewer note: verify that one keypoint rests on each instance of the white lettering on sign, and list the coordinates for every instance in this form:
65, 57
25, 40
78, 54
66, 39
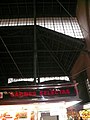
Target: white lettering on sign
10, 80
42, 79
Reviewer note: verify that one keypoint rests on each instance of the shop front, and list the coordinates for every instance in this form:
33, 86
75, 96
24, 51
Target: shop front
41, 102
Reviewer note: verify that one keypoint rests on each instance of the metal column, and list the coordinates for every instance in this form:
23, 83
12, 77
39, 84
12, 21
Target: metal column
35, 44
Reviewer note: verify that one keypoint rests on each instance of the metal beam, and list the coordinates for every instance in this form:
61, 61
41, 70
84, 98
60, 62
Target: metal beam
35, 44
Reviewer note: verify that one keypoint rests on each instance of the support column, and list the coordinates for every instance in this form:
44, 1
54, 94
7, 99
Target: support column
83, 16
78, 67
35, 44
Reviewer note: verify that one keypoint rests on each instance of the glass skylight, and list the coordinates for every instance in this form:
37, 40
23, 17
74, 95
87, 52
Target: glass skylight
65, 25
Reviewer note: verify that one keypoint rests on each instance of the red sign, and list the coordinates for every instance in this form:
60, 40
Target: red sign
38, 93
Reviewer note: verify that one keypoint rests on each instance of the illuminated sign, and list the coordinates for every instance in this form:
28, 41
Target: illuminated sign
11, 94
42, 79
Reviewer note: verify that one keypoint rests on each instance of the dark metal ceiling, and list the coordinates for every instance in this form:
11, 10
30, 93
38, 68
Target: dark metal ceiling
56, 53
25, 8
